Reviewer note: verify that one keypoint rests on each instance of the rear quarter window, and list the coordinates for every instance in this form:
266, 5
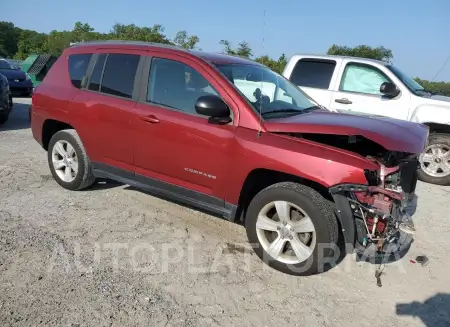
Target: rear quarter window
313, 73
78, 64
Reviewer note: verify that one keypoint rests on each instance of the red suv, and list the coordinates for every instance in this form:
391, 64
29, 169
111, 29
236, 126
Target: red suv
232, 138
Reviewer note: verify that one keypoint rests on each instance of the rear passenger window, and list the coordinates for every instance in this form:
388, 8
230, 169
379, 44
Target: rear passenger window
78, 64
313, 73
96, 77
119, 74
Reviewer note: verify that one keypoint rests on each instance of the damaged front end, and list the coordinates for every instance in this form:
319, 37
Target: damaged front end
376, 218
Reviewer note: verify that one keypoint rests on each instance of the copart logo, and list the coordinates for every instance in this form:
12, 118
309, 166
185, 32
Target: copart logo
190, 170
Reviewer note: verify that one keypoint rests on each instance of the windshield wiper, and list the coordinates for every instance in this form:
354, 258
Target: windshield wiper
297, 111
281, 111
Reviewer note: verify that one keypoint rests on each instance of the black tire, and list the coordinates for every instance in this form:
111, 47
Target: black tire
436, 138
4, 116
316, 207
84, 178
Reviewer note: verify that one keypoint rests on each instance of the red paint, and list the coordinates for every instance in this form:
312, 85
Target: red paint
160, 143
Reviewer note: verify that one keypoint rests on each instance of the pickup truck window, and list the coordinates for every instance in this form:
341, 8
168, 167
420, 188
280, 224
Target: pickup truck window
266, 90
313, 73
411, 84
362, 78
176, 85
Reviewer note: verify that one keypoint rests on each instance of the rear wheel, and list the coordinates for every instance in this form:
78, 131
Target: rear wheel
68, 161
292, 228
435, 160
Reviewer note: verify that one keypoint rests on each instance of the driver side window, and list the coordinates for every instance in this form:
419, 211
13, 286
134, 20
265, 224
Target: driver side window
362, 78
176, 85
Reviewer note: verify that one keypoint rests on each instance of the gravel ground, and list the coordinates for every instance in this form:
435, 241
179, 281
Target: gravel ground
115, 256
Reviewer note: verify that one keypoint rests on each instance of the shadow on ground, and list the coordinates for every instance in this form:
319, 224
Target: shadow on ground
434, 312
18, 118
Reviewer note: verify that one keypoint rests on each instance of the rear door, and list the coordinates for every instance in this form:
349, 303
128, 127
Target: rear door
315, 76
358, 92
102, 111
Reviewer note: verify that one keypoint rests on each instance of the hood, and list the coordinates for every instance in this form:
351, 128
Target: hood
391, 134
13, 73
440, 98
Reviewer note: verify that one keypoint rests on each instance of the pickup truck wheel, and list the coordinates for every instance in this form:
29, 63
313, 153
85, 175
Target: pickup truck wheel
435, 160
68, 161
292, 228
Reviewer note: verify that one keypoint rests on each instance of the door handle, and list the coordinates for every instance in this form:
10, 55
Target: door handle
150, 119
343, 101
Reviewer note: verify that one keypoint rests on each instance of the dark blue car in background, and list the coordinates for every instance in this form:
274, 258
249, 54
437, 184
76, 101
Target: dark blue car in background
19, 82
6, 103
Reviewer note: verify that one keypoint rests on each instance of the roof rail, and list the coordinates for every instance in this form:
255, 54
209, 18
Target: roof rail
126, 42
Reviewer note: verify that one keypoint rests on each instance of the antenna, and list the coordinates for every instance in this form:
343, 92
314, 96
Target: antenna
439, 71
263, 50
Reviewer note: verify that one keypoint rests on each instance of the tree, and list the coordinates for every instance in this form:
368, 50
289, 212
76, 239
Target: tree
275, 65
243, 49
132, 32
181, 39
363, 51
9, 35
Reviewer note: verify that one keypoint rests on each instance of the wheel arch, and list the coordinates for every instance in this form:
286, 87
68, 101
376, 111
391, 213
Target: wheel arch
49, 128
438, 128
260, 178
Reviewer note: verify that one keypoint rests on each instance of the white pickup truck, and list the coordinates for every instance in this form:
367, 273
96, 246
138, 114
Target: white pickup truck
372, 87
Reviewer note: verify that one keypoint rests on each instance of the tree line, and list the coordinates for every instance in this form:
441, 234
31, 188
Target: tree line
18, 43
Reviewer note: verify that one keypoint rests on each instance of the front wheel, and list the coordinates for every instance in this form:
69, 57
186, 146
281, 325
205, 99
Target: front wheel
292, 228
435, 160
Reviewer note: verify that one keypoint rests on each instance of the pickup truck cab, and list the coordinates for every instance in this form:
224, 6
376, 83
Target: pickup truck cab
377, 88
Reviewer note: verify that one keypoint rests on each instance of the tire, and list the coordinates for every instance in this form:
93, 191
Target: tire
4, 116
436, 140
311, 204
83, 176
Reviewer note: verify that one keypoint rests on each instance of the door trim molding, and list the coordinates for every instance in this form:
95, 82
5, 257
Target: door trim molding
166, 190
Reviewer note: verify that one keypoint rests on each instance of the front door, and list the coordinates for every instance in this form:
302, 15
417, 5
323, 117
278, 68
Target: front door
359, 93
172, 143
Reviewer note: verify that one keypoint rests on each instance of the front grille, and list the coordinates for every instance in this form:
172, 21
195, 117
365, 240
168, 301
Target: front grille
409, 175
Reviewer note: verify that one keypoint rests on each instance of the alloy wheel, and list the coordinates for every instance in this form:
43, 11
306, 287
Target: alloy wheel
435, 161
286, 232
65, 161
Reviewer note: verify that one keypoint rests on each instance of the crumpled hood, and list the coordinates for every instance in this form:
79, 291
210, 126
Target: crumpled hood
392, 134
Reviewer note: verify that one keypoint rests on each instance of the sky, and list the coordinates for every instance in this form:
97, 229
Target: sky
416, 31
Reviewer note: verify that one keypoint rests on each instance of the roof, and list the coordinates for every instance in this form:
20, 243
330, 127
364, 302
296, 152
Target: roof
326, 56
217, 58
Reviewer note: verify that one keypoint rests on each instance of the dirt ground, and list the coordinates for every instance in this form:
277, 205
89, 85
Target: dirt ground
115, 256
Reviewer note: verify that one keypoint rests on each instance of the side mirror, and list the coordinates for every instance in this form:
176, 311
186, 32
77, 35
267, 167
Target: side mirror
214, 107
389, 89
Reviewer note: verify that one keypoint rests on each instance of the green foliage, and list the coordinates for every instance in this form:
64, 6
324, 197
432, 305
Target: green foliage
275, 65
440, 88
243, 49
363, 51
9, 35
188, 42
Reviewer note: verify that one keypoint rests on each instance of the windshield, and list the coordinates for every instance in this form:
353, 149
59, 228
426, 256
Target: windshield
267, 91
5, 65
411, 84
